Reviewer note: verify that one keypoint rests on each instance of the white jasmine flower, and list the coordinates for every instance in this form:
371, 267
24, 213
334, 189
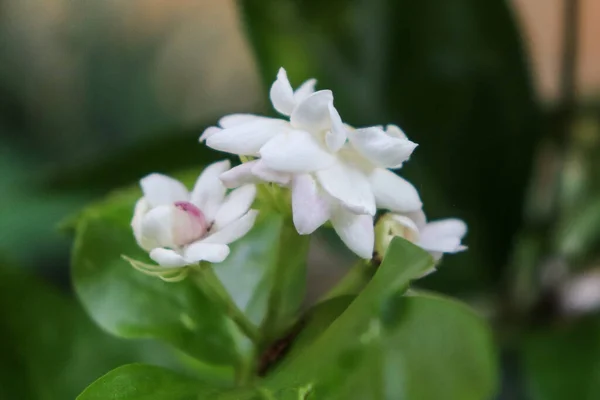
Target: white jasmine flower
347, 193
437, 237
179, 228
330, 178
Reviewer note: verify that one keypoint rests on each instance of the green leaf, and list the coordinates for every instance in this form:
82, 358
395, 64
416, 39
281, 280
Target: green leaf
50, 349
385, 345
130, 304
146, 382
563, 362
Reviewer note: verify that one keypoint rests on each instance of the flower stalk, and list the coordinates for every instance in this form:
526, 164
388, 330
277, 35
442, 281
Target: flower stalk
281, 311
206, 279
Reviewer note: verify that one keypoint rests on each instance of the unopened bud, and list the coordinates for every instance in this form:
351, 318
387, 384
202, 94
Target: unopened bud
189, 223
391, 225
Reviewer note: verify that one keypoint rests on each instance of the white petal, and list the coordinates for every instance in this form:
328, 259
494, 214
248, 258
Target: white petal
446, 227
447, 244
248, 138
418, 217
355, 230
443, 236
239, 175
312, 114
209, 191
282, 94
395, 131
161, 190
310, 209
393, 192
304, 90
168, 258
263, 172
381, 149
350, 186
229, 121
211, 252
236, 204
208, 132
157, 226
336, 137
234, 230
141, 208
295, 151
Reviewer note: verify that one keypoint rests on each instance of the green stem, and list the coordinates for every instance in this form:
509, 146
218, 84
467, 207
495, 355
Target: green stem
288, 284
209, 283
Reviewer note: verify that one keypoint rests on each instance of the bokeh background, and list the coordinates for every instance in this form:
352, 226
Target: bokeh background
502, 96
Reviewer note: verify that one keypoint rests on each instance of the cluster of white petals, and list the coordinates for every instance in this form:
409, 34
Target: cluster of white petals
335, 173
437, 237
180, 228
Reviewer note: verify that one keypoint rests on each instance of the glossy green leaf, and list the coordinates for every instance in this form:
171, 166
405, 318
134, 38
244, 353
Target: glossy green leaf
130, 304
146, 382
563, 362
385, 345
50, 349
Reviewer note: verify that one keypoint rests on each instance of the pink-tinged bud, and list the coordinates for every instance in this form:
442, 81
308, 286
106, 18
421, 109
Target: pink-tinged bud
189, 223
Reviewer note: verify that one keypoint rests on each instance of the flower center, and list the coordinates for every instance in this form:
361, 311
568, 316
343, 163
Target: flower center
189, 224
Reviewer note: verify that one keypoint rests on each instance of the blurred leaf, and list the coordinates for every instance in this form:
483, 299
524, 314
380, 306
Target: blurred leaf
146, 382
125, 165
130, 304
451, 74
564, 362
581, 233
29, 214
385, 345
50, 349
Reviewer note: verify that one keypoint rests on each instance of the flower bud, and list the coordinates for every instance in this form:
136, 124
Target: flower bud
189, 224
391, 225
174, 225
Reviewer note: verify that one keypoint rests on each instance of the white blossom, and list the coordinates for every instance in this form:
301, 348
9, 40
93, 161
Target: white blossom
336, 173
180, 228
437, 237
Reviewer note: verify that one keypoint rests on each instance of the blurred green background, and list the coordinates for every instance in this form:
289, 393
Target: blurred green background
501, 97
